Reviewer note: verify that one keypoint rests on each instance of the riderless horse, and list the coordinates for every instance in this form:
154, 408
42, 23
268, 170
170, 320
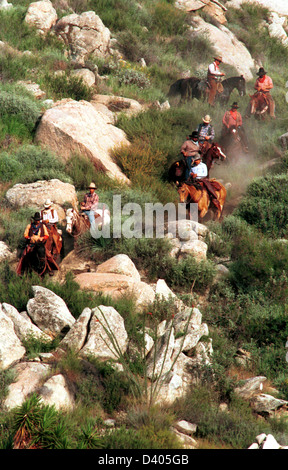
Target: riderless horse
196, 192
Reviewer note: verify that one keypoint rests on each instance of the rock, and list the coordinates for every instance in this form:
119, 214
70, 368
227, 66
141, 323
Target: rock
11, 349
5, 253
87, 76
35, 194
185, 427
196, 248
116, 285
75, 127
120, 264
29, 378
75, 264
41, 15
187, 441
4, 5
190, 340
280, 7
267, 404
23, 328
284, 141
276, 29
33, 88
159, 360
106, 324
75, 338
226, 43
55, 392
270, 443
162, 291
118, 104
49, 312
250, 387
84, 35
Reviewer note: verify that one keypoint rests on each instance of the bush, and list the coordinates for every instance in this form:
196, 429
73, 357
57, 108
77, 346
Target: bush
30, 163
67, 86
265, 205
25, 109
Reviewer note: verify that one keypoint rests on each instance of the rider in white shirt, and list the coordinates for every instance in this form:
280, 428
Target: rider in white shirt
198, 169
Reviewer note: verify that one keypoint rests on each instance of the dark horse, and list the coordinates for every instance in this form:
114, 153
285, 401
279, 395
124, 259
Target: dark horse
193, 87
35, 257
210, 154
234, 142
186, 88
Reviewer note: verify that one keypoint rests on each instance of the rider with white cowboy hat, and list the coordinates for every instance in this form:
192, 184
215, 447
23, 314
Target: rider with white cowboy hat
205, 130
213, 75
49, 215
90, 203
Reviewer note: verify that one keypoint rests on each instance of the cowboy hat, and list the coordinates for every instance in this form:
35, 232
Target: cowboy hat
234, 105
48, 203
207, 119
193, 135
261, 72
218, 57
36, 216
92, 185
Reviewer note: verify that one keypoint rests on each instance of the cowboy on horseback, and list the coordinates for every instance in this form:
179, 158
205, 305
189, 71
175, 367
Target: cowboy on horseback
199, 173
190, 149
232, 119
90, 203
36, 231
50, 218
36, 235
264, 84
213, 76
205, 131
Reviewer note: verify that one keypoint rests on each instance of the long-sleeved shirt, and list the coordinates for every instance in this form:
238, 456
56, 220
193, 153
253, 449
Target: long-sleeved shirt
232, 118
90, 201
205, 130
264, 84
49, 216
214, 71
200, 170
189, 148
36, 232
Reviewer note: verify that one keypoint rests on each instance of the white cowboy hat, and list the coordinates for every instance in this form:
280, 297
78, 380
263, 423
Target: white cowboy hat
48, 203
207, 119
92, 185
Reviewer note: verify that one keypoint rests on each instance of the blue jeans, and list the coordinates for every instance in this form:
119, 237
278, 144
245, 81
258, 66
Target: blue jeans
91, 216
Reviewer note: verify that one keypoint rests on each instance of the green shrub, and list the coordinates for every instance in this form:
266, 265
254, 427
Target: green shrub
25, 109
265, 205
31, 163
67, 86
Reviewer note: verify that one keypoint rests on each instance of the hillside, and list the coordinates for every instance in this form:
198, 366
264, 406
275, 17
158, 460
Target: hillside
141, 340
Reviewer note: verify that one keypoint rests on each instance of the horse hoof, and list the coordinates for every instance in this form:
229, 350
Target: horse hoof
51, 273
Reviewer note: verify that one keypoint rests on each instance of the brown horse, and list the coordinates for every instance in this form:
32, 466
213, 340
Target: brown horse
77, 223
211, 153
197, 193
259, 105
36, 257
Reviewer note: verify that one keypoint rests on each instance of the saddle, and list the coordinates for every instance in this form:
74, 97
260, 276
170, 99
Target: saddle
211, 185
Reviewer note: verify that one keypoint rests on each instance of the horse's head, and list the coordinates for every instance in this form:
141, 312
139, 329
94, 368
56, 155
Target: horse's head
183, 192
217, 152
242, 86
70, 217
